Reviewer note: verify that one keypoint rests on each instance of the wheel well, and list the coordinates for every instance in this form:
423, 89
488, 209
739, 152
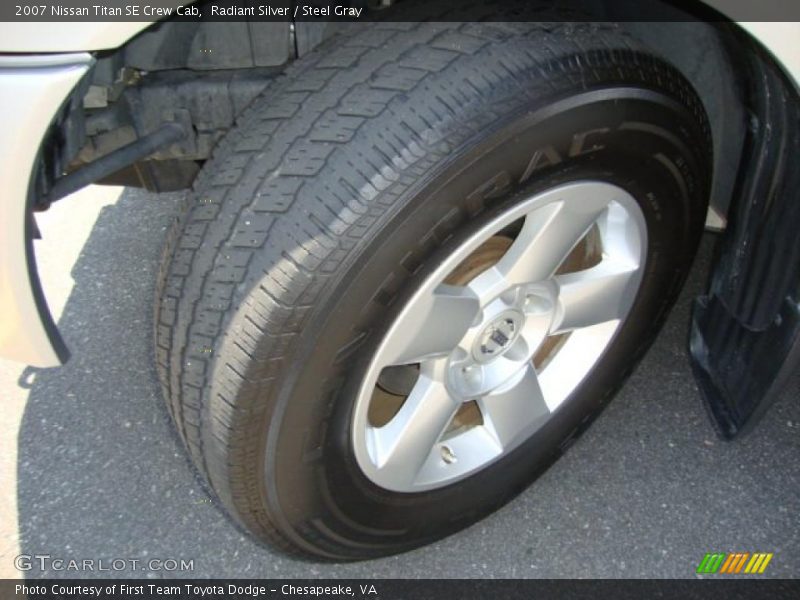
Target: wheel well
201, 75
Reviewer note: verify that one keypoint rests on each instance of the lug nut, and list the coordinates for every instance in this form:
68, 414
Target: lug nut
472, 375
448, 456
537, 304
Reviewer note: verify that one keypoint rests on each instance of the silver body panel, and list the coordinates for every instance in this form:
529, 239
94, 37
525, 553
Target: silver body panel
32, 89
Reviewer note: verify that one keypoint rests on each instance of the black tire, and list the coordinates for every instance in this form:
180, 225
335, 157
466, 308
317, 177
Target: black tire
333, 196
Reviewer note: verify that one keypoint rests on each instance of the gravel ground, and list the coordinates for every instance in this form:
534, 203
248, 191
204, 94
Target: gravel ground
90, 467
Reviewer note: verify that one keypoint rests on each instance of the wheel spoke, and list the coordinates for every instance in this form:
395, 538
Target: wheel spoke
547, 237
597, 295
431, 325
403, 444
515, 412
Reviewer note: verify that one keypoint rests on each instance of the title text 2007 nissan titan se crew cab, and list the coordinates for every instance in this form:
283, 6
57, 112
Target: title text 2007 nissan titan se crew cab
418, 258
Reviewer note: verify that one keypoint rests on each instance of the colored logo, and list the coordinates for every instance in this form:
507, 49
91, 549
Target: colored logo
734, 562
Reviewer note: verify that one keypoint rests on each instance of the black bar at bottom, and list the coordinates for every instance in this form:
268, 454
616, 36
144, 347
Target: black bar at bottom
731, 588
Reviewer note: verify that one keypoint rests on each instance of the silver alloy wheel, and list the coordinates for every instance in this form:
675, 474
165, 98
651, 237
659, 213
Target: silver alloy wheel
476, 342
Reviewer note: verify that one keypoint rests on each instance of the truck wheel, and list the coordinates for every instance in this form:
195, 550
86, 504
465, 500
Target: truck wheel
418, 267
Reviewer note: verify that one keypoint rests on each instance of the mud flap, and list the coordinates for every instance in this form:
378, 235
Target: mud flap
745, 333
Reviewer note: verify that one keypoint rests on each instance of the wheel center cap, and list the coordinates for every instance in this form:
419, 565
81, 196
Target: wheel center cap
497, 337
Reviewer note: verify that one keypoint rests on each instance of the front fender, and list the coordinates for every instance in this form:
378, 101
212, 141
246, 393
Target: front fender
34, 37
32, 90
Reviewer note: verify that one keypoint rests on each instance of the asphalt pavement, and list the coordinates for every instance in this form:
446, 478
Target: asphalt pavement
91, 468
